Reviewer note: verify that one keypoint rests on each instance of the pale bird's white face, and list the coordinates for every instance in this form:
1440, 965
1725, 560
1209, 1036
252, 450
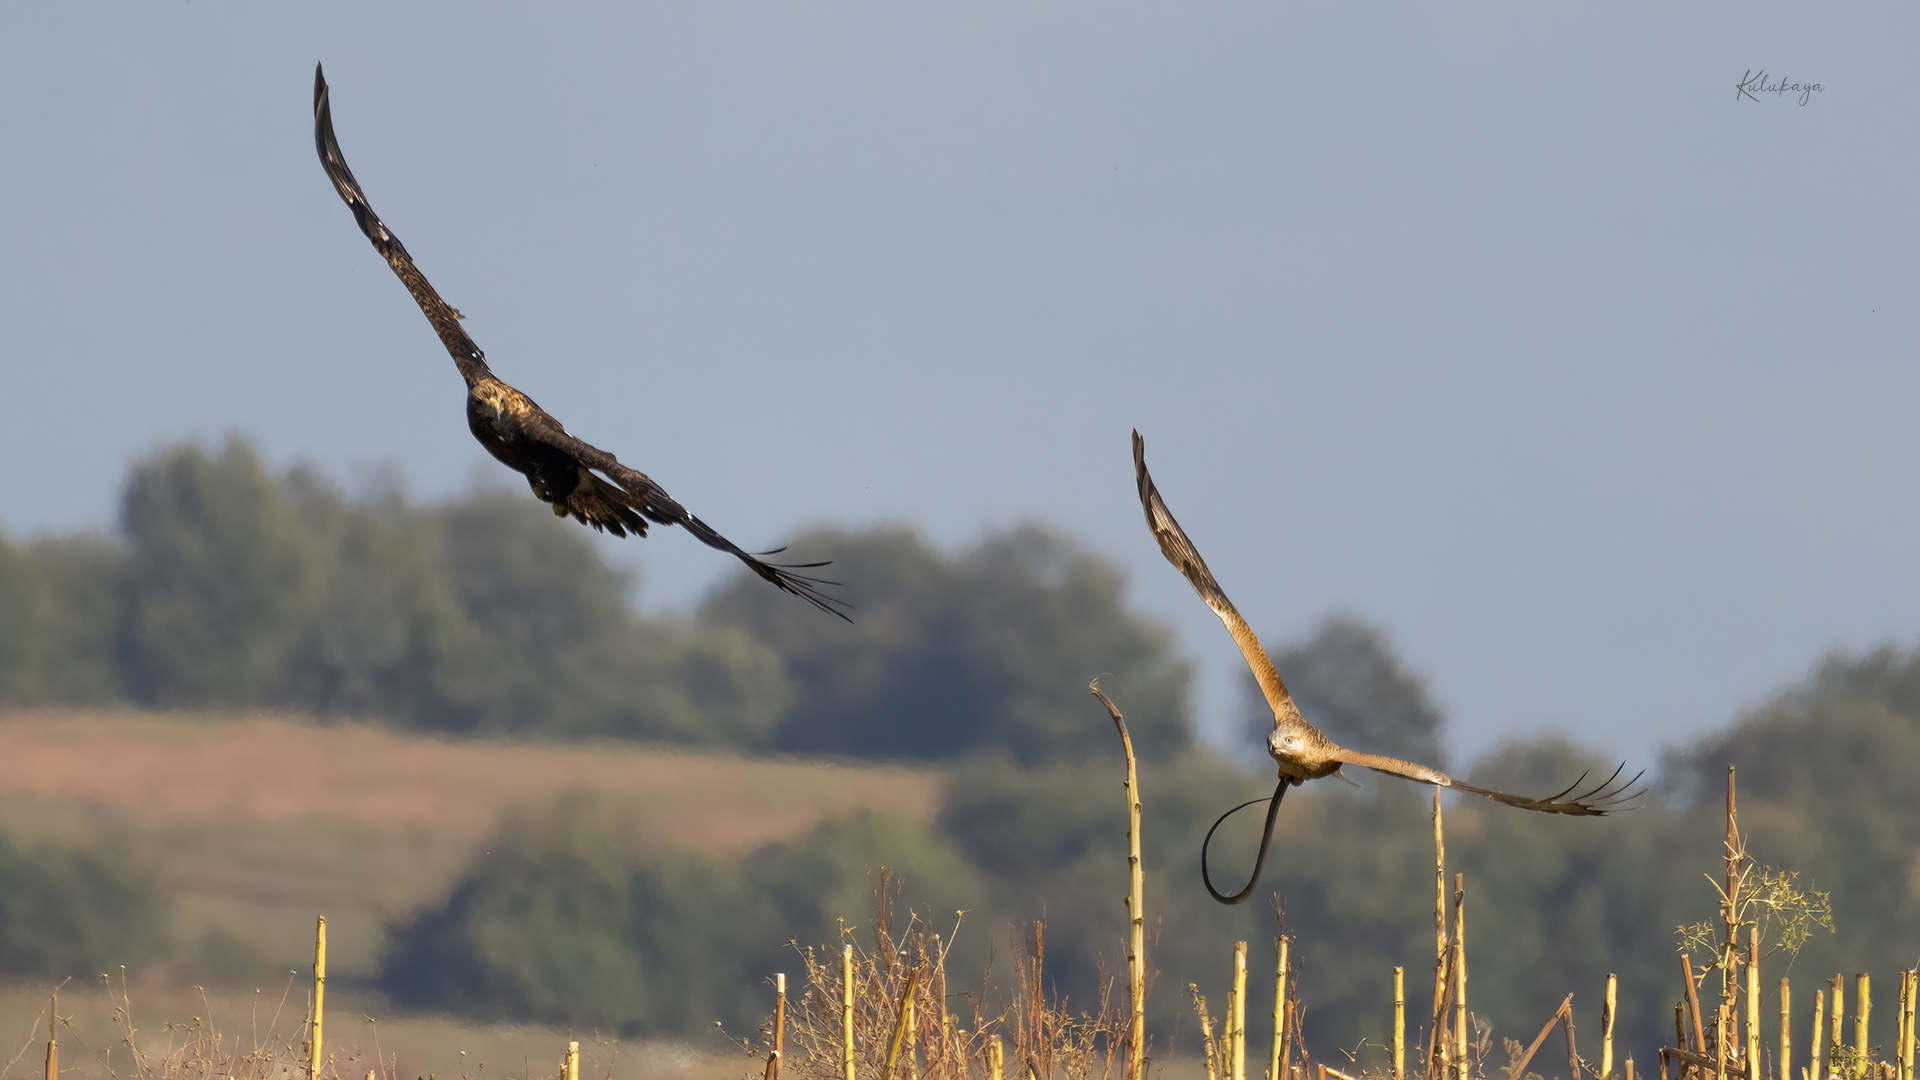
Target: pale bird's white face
1281, 743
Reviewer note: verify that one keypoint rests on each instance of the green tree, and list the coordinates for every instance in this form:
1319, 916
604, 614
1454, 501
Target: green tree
991, 650
386, 634
74, 910
74, 582
219, 578
16, 624
565, 917
57, 620
554, 646
540, 925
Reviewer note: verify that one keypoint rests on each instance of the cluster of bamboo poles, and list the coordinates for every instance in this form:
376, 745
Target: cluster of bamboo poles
1226, 1050
1449, 1050
1735, 1047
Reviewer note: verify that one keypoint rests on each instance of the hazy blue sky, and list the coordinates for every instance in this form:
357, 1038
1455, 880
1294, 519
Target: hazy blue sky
1512, 327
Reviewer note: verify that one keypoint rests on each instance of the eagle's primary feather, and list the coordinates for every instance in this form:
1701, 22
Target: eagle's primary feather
564, 471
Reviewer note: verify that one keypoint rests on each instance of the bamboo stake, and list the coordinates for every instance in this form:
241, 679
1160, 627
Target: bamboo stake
1439, 1042
995, 1057
1279, 1007
1906, 1042
1606, 1028
1460, 974
1287, 1068
779, 1031
1520, 1068
1836, 1012
1900, 1031
1436, 1046
1629, 1067
1903, 1025
53, 1036
1729, 901
846, 1011
1136, 906
573, 1061
1399, 1024
1753, 1002
1909, 991
942, 1022
1693, 1006
1209, 1046
1862, 1005
1818, 1047
1573, 1055
1783, 1066
1720, 1042
900, 1025
1237, 1012
315, 1060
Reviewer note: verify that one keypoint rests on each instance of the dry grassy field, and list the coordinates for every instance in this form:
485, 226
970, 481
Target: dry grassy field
174, 1027
258, 823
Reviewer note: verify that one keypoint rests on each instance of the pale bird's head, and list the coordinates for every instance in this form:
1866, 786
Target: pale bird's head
1283, 744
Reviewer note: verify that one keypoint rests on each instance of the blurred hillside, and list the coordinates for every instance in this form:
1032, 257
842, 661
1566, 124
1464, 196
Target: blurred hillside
518, 798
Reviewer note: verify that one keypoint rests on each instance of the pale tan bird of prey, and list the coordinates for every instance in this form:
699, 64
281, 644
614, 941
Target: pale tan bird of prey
1301, 751
576, 478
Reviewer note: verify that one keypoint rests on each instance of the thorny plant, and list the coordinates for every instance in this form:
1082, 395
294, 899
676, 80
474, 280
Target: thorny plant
1787, 914
1039, 1037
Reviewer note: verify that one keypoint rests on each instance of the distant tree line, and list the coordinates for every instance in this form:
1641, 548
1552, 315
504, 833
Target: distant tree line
228, 586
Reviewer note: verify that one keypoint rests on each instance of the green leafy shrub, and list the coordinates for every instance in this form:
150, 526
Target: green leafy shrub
68, 910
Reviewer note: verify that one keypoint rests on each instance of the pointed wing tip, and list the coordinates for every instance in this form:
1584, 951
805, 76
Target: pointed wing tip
1606, 797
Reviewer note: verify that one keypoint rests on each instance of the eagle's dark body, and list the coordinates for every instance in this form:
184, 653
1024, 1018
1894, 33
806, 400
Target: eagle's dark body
568, 473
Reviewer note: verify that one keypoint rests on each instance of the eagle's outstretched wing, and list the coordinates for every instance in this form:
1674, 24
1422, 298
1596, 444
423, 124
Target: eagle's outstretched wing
1183, 555
446, 321
603, 505
653, 501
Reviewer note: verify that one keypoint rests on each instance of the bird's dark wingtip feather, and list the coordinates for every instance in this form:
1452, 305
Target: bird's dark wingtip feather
1604, 798
807, 588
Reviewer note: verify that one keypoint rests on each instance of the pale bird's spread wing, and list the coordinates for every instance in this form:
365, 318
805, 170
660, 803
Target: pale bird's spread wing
446, 321
1599, 800
1184, 556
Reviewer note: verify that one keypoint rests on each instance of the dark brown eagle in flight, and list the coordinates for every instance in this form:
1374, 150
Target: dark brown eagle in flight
1301, 751
562, 470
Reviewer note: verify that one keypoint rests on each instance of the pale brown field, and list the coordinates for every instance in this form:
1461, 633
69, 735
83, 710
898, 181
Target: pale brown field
166, 1022
258, 823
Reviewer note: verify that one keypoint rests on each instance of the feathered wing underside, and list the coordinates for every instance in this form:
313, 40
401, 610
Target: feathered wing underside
1598, 800
602, 505
637, 490
1186, 558
445, 320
